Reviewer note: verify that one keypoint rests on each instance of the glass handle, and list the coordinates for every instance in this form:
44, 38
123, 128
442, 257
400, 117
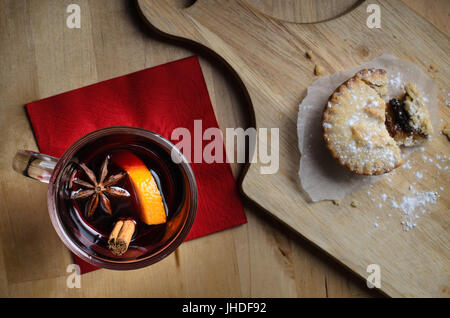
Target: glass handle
34, 165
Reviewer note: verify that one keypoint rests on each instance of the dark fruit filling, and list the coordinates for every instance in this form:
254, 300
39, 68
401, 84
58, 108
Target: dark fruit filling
401, 117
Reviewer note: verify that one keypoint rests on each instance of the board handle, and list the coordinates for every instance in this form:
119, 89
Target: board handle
173, 17
177, 17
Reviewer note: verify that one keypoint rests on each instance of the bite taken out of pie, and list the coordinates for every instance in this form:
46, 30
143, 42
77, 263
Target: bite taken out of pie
407, 118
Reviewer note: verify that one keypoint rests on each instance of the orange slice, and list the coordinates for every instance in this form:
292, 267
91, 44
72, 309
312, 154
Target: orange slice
151, 203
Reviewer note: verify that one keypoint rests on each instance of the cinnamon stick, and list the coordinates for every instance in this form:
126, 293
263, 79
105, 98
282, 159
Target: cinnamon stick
120, 237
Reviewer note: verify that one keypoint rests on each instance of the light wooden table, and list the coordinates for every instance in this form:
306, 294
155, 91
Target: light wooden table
41, 57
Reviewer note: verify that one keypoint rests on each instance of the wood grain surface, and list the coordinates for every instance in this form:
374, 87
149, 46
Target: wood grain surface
269, 58
40, 57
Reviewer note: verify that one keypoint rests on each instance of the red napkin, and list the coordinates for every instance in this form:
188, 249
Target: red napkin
159, 99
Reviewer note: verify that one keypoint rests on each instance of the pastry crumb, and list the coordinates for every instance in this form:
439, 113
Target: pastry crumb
336, 202
433, 68
309, 55
318, 70
354, 203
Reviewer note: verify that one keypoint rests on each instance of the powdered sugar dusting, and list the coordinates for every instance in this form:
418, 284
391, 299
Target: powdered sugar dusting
416, 202
413, 203
396, 84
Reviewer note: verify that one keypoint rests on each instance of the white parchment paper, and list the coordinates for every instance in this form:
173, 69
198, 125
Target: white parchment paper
321, 176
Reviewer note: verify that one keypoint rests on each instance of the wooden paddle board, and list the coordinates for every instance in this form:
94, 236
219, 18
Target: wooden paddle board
268, 55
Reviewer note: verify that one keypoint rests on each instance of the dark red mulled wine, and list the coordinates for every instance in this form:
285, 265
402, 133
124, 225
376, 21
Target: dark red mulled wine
91, 232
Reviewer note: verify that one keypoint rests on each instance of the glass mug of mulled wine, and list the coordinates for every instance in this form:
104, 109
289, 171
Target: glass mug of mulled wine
119, 197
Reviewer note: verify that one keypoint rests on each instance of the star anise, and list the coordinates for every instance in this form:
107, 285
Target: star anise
97, 190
